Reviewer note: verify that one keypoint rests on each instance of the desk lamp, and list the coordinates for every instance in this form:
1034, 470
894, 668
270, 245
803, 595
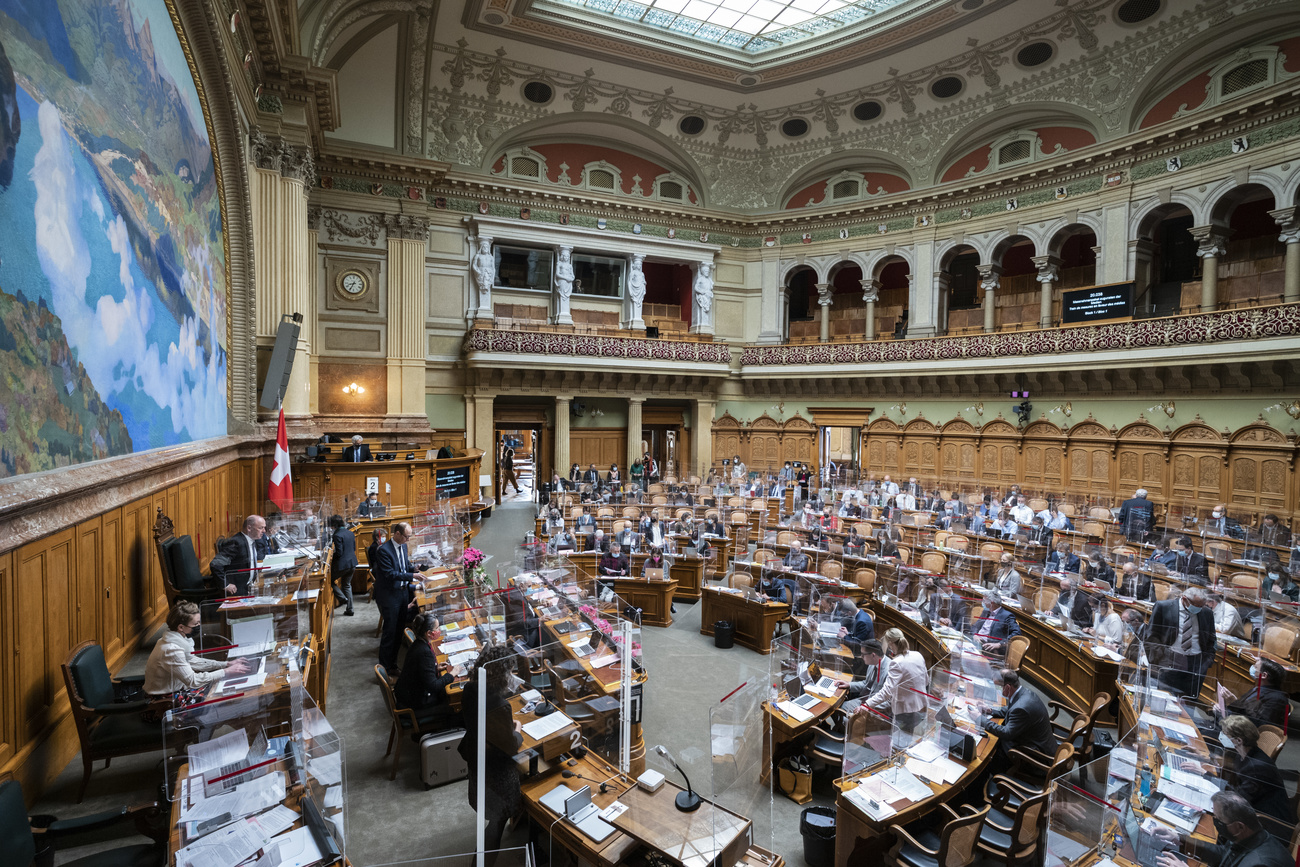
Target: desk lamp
687, 801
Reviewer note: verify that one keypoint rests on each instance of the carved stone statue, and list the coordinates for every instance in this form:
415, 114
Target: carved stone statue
564, 273
636, 281
703, 289
485, 270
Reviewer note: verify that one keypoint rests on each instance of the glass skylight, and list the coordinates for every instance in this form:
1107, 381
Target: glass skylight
750, 26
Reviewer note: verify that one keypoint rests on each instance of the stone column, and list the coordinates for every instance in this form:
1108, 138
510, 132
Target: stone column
769, 321
633, 434
871, 292
1141, 253
942, 284
1288, 220
407, 242
483, 437
635, 291
825, 297
784, 312
1211, 245
562, 436
311, 326
702, 297
990, 278
702, 438
563, 284
1049, 271
284, 173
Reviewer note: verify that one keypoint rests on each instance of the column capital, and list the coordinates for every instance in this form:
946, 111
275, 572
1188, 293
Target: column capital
1049, 268
1288, 220
405, 227
1211, 241
990, 275
563, 398
870, 290
274, 153
825, 294
632, 400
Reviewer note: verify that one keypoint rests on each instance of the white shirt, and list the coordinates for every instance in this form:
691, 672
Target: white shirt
1227, 620
1110, 629
906, 502
1023, 514
173, 666
890, 488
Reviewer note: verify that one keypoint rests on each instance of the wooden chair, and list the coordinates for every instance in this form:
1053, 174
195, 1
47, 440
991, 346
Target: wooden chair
693, 480
740, 580
1079, 731
1011, 835
1031, 773
940, 537
785, 537
1045, 599
934, 561
958, 542
1279, 641
108, 727
1271, 740
1017, 646
404, 721
953, 846
1094, 528
735, 502
179, 564
1161, 589
575, 512
604, 513
762, 555
827, 747
659, 500
738, 519
633, 512
1069, 510
1247, 581
904, 554
621, 524
866, 579
682, 513
1218, 552
832, 569
656, 488
863, 528
1122, 554
1038, 504
991, 550
1099, 513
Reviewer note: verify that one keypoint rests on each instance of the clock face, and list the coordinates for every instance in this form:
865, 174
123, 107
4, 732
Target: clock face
353, 283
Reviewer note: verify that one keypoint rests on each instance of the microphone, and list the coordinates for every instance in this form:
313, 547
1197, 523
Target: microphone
604, 784
687, 801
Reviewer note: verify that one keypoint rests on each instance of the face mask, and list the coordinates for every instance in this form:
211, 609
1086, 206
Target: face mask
1221, 828
1275, 577
1217, 515
1227, 744
1193, 610
1254, 670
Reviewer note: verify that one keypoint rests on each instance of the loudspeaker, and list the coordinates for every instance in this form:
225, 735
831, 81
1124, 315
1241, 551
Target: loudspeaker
281, 366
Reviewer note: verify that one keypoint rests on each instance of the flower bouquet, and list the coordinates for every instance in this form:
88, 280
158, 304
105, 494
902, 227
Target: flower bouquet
475, 574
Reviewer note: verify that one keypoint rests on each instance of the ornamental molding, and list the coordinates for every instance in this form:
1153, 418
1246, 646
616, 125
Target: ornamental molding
486, 340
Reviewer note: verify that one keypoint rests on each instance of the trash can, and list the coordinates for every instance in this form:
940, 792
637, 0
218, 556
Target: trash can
724, 634
817, 825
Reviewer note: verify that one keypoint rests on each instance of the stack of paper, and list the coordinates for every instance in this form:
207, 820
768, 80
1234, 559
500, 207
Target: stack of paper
873, 807
547, 725
460, 645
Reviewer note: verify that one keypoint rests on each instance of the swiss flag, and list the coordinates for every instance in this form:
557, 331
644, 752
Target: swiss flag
280, 490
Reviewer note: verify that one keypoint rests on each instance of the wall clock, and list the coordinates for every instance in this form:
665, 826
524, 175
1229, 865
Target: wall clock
352, 284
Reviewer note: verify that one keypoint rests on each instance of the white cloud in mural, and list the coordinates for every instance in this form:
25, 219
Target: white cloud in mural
111, 337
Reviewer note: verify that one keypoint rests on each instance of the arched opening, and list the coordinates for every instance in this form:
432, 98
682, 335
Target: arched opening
1165, 261
893, 274
959, 292
1078, 258
1018, 292
1253, 270
801, 304
667, 304
848, 315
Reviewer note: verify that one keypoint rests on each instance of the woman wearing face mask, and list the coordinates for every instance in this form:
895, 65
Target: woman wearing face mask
1250, 772
1264, 703
903, 694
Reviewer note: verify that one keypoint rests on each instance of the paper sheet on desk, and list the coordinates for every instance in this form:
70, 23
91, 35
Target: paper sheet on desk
602, 661
276, 820
926, 751
795, 711
327, 768
243, 800
941, 770
862, 800
906, 784
1106, 653
459, 659
295, 849
224, 847
1207, 785
251, 650
303, 595
1172, 725
458, 646
547, 725
247, 681
218, 752
1186, 795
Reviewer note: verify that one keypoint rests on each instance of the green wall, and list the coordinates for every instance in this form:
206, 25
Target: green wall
445, 411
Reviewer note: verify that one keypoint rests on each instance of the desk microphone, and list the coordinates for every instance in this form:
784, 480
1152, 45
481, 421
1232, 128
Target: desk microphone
687, 801
604, 784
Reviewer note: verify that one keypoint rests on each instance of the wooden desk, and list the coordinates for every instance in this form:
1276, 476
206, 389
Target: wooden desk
754, 621
618, 847
1066, 666
710, 836
782, 732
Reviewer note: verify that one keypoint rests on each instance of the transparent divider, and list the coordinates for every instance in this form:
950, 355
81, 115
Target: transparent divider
737, 755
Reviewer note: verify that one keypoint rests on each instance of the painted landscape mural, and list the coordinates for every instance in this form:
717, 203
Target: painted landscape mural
112, 268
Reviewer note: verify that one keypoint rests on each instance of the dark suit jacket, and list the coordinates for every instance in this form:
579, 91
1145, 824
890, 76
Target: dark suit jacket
957, 611
1136, 514
1025, 724
1003, 627
1269, 707
420, 685
350, 453
368, 509
231, 565
1193, 566
1163, 629
860, 627
345, 549
1140, 588
1057, 563
715, 528
1256, 778
781, 589
591, 476
1081, 612
611, 565
390, 579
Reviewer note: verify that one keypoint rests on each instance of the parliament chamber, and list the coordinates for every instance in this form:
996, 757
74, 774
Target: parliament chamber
658, 433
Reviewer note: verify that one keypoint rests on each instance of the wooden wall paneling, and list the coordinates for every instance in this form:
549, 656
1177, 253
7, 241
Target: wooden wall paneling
799, 441
137, 551
1197, 455
599, 446
765, 440
999, 452
110, 596
957, 453
920, 439
883, 439
726, 438
43, 599
1090, 453
1140, 460
90, 577
1258, 465
1043, 456
9, 650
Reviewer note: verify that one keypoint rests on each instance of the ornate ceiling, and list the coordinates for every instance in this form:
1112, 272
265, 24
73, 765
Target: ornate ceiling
906, 91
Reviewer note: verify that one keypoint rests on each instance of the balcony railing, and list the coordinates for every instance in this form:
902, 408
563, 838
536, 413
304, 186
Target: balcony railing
1220, 326
596, 346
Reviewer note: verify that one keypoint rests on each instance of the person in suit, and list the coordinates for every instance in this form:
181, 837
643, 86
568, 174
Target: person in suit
795, 559
714, 527
236, 560
1099, 569
903, 693
1192, 565
267, 543
614, 564
854, 545
599, 542
575, 474
1264, 703
654, 531
1243, 842
856, 624
875, 667
1181, 641
1038, 533
561, 541
1024, 719
1007, 580
996, 627
1073, 605
586, 524
627, 538
1137, 516
774, 586
393, 590
172, 665
1062, 559
1135, 635
1131, 583
371, 507
422, 685
343, 563
1220, 524
591, 476
945, 608
356, 453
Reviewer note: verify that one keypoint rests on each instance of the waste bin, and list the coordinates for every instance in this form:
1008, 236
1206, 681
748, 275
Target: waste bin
817, 825
724, 634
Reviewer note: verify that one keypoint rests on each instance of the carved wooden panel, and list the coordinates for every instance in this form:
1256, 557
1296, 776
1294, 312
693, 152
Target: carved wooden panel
928, 463
9, 653
949, 463
875, 456
968, 458
1008, 464
891, 456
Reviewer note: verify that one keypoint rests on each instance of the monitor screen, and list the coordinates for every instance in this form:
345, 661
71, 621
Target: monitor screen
452, 482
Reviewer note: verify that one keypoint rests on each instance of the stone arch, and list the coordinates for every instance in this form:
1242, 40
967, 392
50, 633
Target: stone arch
1224, 197
1147, 215
1029, 115
794, 266
876, 260
327, 23
855, 159
950, 249
1061, 230
1007, 241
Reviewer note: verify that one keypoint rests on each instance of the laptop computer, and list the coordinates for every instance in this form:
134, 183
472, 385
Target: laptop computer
580, 812
654, 574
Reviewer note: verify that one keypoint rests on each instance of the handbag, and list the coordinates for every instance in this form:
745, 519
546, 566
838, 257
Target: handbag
794, 777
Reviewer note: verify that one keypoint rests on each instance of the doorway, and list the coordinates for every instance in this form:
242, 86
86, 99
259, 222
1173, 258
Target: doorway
526, 430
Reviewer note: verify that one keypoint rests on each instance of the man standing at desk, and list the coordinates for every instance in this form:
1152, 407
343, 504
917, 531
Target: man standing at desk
1024, 719
1136, 516
1181, 640
393, 591
796, 560
236, 557
356, 453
